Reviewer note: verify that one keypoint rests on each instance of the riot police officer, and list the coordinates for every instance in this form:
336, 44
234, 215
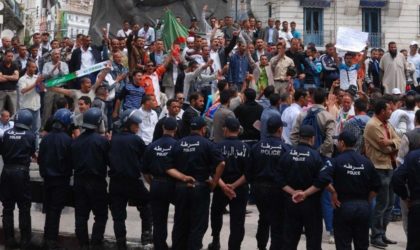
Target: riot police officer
55, 168
125, 157
195, 159
355, 183
17, 148
162, 186
264, 178
300, 167
90, 160
232, 188
406, 184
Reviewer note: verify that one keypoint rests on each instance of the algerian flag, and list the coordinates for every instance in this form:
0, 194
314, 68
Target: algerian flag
173, 31
83, 72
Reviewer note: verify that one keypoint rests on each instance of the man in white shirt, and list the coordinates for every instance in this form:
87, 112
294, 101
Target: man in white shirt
149, 119
52, 69
286, 34
5, 123
125, 31
148, 33
29, 87
414, 58
290, 113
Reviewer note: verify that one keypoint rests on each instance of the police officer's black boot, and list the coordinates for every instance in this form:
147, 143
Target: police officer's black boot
122, 244
52, 245
146, 237
215, 244
9, 231
25, 230
146, 224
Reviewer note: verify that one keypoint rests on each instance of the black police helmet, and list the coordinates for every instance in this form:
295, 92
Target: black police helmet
130, 116
63, 116
23, 119
92, 118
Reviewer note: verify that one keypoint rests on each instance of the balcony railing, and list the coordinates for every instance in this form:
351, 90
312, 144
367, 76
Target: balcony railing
375, 40
316, 37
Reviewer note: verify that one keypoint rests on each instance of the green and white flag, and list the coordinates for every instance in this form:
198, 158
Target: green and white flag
83, 72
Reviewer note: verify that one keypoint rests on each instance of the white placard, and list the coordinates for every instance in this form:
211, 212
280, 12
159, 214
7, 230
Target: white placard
1, 19
349, 39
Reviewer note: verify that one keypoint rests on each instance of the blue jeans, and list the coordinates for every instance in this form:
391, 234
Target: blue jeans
327, 210
36, 124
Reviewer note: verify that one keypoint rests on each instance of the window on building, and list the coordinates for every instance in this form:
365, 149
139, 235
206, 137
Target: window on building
313, 26
371, 20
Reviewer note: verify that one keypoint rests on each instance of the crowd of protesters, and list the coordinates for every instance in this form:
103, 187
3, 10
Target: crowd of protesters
270, 117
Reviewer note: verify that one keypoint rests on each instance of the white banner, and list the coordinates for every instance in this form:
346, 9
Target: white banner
351, 40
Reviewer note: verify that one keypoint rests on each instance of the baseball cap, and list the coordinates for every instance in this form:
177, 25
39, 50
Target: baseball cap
414, 43
306, 131
197, 123
232, 124
347, 137
170, 123
274, 123
396, 91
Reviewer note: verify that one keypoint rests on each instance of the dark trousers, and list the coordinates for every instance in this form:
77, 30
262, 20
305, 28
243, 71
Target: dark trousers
269, 201
413, 227
121, 191
237, 210
351, 223
308, 215
15, 189
90, 194
384, 203
191, 216
161, 196
57, 192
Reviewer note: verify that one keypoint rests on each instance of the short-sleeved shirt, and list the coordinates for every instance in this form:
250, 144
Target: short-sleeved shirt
8, 71
348, 75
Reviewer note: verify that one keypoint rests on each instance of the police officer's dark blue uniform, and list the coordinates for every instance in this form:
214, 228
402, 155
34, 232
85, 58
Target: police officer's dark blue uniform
299, 169
195, 160
264, 178
54, 160
90, 160
17, 148
162, 186
408, 175
233, 183
355, 184
125, 160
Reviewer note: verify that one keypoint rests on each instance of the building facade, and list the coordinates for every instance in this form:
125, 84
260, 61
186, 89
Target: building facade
318, 20
74, 18
13, 16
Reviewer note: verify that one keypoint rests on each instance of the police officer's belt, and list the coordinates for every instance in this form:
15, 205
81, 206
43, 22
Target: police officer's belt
196, 184
15, 166
162, 178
